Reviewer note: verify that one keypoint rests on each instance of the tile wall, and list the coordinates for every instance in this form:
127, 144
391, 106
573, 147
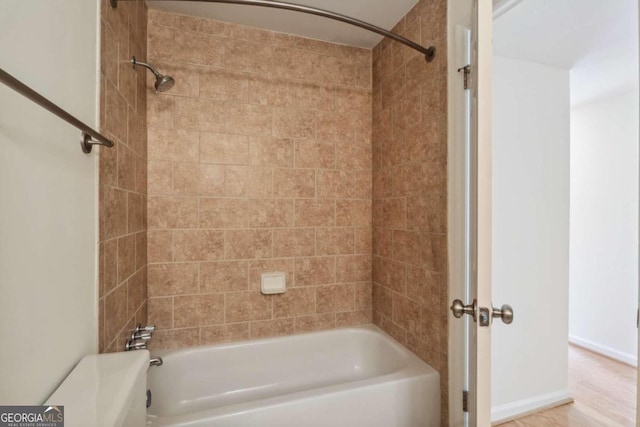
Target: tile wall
410, 188
123, 174
259, 161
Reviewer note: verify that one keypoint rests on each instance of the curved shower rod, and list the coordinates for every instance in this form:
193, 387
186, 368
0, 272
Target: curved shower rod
428, 52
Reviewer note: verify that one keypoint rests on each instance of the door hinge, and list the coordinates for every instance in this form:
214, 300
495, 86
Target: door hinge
467, 76
465, 401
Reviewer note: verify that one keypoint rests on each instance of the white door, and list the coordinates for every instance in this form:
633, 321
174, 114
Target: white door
478, 306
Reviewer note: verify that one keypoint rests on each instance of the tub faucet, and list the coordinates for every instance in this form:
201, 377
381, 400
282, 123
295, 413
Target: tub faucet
156, 361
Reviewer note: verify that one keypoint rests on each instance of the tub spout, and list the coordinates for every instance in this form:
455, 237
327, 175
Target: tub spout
157, 361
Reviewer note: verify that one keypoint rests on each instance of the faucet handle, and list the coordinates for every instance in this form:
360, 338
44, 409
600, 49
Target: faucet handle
141, 335
135, 345
147, 328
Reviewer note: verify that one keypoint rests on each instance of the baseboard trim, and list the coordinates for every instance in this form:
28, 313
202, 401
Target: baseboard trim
522, 408
626, 358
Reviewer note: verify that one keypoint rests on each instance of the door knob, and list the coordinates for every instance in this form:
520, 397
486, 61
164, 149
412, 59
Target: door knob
505, 313
458, 309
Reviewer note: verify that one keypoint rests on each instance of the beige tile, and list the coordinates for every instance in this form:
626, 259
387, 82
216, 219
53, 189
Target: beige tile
315, 96
224, 148
136, 292
160, 178
224, 276
382, 302
223, 213
136, 212
172, 212
382, 242
248, 244
294, 302
223, 85
249, 57
315, 271
160, 245
246, 306
353, 268
315, 323
173, 145
426, 287
187, 79
250, 181
288, 123
294, 183
224, 333
363, 296
389, 273
115, 312
110, 265
174, 338
392, 213
248, 119
198, 179
126, 257
292, 242
126, 168
335, 70
406, 314
271, 91
271, 328
141, 250
427, 213
199, 114
160, 110
314, 213
353, 318
172, 279
333, 241
294, 63
355, 213
363, 241
336, 184
310, 153
334, 298
434, 252
407, 247
353, 101
335, 127
354, 156
108, 165
198, 310
269, 213
266, 151
257, 267
113, 212
161, 312
198, 245
197, 48
115, 113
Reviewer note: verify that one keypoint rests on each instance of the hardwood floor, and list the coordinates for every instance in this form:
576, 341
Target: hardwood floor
604, 392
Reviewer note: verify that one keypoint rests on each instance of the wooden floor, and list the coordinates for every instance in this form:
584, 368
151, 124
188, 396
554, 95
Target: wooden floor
604, 392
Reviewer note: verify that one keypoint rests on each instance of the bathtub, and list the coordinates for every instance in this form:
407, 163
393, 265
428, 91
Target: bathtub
347, 377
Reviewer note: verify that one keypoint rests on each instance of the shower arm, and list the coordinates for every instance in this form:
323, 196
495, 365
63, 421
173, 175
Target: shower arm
428, 52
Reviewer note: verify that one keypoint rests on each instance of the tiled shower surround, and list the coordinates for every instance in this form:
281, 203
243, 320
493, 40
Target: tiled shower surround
123, 174
259, 161
274, 153
410, 189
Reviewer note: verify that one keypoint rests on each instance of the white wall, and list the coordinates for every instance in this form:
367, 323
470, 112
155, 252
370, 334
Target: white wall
48, 187
604, 226
530, 234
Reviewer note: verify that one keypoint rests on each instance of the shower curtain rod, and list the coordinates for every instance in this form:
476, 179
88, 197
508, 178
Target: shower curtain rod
428, 52
90, 137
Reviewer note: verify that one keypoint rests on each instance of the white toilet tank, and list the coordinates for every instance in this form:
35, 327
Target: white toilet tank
105, 390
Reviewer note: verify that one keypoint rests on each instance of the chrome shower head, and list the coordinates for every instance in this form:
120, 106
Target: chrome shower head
163, 83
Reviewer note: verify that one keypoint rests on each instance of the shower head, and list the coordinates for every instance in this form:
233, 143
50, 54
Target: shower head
163, 83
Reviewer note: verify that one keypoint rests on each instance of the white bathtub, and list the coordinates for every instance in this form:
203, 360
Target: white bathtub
342, 377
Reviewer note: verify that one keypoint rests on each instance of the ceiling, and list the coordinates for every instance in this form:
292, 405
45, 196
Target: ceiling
596, 39
383, 13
